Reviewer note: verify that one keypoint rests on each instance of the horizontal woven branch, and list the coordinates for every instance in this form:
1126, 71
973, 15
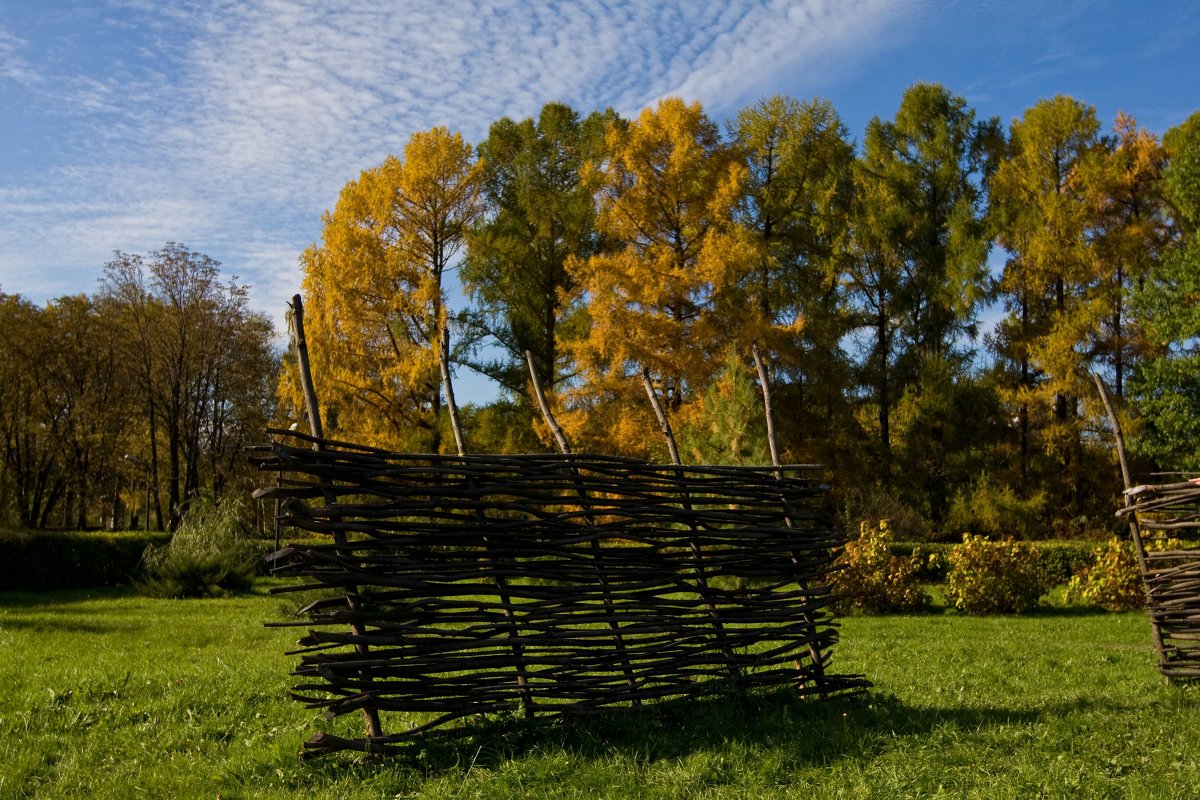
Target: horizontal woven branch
547, 583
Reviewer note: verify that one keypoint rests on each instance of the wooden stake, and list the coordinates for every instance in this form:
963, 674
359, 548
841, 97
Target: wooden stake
448, 384
663, 423
559, 437
370, 715
814, 650
765, 385
306, 381
1135, 531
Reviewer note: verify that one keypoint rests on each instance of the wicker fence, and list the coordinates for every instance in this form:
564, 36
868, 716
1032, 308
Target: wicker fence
1164, 514
476, 585
1161, 514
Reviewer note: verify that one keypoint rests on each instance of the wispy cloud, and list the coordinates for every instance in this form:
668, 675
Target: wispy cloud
231, 126
13, 64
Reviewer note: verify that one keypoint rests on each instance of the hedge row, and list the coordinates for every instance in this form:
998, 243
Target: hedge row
71, 559
1059, 559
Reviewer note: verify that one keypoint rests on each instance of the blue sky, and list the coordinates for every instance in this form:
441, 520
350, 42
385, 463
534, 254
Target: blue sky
231, 125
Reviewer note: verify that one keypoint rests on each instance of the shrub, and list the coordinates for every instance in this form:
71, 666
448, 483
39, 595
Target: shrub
995, 511
36, 560
211, 554
986, 577
870, 578
1113, 581
1059, 559
71, 559
1063, 559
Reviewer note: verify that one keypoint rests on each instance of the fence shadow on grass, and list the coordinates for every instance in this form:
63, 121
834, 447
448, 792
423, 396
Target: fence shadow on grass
811, 731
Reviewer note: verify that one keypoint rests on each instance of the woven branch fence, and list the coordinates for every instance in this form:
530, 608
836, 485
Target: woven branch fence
1160, 513
460, 586
1172, 576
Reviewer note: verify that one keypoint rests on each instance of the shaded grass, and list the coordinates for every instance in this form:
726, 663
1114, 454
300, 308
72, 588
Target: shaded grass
106, 694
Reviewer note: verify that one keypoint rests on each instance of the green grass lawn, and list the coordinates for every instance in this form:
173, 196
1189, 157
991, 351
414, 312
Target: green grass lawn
107, 694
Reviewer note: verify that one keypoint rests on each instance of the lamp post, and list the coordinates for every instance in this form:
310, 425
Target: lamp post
132, 459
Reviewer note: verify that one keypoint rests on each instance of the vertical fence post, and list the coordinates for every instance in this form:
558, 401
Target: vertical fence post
370, 714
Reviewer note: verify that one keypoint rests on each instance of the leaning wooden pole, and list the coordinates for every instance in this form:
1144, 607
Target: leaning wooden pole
765, 385
664, 425
448, 386
498, 563
764, 382
660, 413
564, 447
1135, 530
370, 715
560, 438
306, 381
1126, 477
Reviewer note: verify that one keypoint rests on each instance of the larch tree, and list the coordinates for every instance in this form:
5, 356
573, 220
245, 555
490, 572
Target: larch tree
1166, 386
795, 208
1045, 220
1131, 230
666, 209
375, 297
540, 212
921, 268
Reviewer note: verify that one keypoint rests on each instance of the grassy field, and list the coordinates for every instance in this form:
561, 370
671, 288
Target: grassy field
107, 694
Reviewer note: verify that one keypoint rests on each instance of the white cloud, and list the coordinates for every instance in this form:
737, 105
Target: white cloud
14, 66
232, 125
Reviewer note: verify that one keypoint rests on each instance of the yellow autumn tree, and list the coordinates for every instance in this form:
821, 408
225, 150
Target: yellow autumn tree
1047, 223
666, 210
377, 321
1132, 233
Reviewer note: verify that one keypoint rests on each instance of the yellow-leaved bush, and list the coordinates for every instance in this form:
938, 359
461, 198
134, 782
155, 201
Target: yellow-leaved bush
1114, 580
986, 577
870, 578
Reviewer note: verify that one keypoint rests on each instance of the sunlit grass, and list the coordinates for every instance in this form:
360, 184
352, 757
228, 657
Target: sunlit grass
107, 694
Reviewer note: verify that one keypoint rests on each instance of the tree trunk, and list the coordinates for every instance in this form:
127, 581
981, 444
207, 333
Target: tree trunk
663, 423
153, 490
451, 404
765, 384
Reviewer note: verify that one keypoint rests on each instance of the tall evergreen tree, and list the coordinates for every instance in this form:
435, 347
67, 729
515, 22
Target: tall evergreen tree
795, 210
921, 269
1166, 387
540, 213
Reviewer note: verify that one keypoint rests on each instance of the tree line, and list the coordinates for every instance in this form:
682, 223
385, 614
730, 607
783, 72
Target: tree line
120, 408
925, 306
668, 257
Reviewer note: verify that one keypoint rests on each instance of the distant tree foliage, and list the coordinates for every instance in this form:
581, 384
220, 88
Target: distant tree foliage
150, 388
670, 257
666, 249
